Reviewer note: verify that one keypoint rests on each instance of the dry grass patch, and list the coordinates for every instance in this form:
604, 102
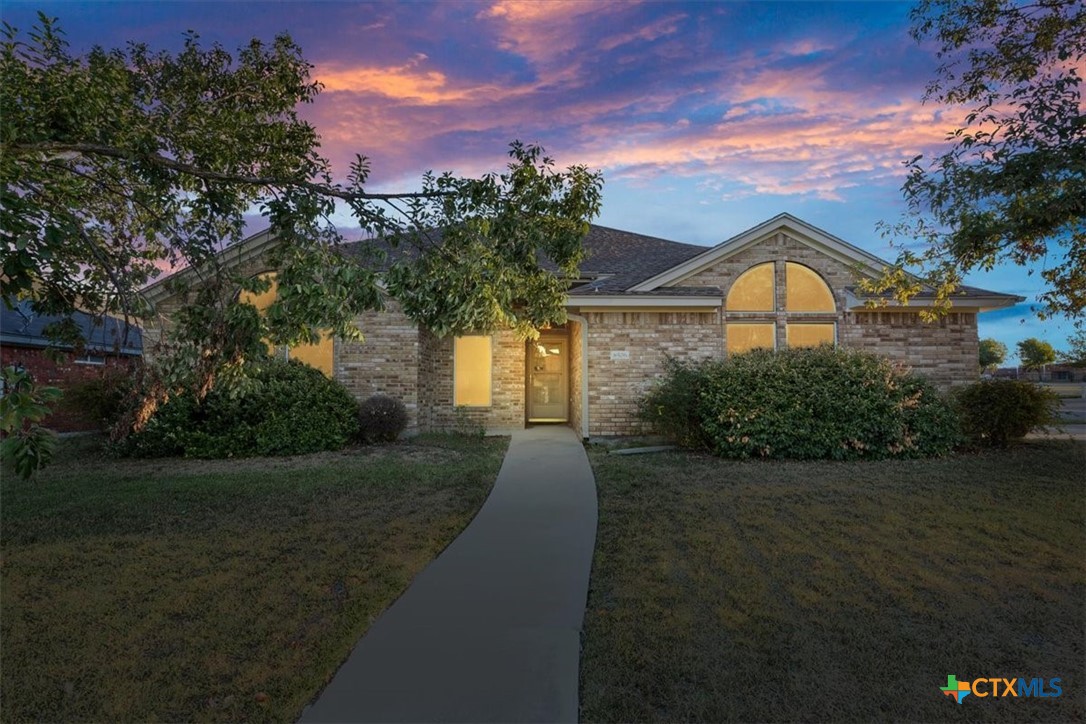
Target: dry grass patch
214, 590
783, 591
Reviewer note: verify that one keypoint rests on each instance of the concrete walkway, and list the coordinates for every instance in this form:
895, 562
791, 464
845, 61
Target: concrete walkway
490, 630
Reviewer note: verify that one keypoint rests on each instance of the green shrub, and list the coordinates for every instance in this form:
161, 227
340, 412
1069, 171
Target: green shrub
381, 419
101, 400
285, 408
672, 406
995, 412
820, 403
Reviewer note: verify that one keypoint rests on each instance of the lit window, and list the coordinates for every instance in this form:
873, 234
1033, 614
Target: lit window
805, 291
91, 359
752, 317
263, 300
753, 290
471, 371
317, 355
809, 335
745, 337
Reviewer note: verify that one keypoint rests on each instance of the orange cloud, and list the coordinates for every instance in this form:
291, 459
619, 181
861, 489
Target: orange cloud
403, 82
799, 130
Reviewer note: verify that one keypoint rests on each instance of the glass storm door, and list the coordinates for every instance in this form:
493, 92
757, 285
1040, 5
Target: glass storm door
548, 381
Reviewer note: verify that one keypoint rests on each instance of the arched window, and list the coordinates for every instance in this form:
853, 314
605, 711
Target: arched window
804, 312
805, 291
753, 291
317, 355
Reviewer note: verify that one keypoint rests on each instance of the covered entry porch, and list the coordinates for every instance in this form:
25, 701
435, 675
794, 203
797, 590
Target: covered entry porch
553, 378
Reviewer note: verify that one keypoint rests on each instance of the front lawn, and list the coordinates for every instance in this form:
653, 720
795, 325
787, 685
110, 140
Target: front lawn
183, 590
786, 591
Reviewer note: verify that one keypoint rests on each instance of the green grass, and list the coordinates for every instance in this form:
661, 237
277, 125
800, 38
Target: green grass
782, 591
184, 590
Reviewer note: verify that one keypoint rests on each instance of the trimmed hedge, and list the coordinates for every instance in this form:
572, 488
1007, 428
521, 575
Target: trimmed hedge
995, 412
819, 403
285, 408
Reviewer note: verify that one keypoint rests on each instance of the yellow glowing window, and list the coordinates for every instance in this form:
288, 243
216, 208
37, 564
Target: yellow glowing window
471, 371
263, 300
805, 291
809, 335
753, 290
745, 337
317, 355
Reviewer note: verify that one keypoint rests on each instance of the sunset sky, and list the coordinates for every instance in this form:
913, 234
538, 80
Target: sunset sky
705, 118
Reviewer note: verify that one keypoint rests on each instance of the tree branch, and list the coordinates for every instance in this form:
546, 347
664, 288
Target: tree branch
94, 149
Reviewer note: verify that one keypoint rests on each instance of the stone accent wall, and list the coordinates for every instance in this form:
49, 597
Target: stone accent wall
944, 351
616, 385
385, 363
435, 384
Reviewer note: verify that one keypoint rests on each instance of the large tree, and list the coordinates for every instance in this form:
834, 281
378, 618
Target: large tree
1011, 188
991, 354
1075, 355
1035, 353
117, 164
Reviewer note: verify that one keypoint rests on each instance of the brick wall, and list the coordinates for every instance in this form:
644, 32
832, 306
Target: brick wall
413, 365
63, 372
435, 384
576, 377
616, 385
779, 248
385, 363
944, 351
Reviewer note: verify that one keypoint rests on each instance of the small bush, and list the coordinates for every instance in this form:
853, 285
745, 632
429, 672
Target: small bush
995, 412
285, 408
672, 407
381, 419
821, 403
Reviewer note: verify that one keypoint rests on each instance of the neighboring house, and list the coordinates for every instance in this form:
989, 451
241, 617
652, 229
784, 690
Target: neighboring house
108, 343
1055, 372
641, 299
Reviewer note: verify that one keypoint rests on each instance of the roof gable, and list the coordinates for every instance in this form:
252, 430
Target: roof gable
247, 249
799, 230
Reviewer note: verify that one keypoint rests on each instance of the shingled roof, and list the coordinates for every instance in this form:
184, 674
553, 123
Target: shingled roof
615, 260
629, 265
20, 326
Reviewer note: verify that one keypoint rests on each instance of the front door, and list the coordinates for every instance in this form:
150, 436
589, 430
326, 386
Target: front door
548, 380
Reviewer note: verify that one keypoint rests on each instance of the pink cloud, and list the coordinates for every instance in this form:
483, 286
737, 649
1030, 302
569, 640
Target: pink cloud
786, 123
543, 31
652, 31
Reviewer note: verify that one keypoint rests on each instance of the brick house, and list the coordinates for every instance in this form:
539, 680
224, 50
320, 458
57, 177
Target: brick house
639, 299
108, 345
